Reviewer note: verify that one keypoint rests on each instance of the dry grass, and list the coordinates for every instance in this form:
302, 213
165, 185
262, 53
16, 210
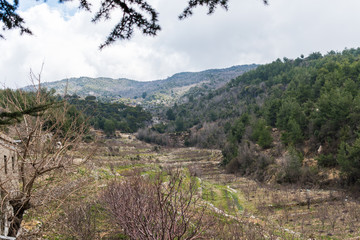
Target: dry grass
243, 206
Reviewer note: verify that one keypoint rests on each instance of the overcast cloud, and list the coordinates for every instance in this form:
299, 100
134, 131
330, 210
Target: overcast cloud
67, 43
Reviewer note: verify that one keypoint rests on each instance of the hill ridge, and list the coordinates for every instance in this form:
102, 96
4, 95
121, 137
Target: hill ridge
129, 88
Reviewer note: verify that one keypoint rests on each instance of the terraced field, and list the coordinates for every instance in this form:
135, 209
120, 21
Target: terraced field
263, 211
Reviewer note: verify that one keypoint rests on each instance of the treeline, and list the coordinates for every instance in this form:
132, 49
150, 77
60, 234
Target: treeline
313, 102
111, 116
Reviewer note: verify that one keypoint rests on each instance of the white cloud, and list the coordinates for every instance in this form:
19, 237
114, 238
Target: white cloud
67, 43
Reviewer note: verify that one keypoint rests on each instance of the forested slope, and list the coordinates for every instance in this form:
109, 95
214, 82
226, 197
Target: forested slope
111, 116
313, 103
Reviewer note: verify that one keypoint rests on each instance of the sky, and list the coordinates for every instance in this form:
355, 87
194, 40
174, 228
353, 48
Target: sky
66, 44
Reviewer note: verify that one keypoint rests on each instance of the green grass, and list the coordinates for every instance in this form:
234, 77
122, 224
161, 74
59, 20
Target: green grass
236, 201
221, 197
120, 168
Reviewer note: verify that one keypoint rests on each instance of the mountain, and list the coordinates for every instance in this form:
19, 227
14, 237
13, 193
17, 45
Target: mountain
127, 88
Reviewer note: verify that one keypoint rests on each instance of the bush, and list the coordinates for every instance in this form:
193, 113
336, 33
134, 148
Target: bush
164, 207
229, 152
249, 161
326, 160
211, 135
88, 138
160, 127
80, 221
149, 136
291, 167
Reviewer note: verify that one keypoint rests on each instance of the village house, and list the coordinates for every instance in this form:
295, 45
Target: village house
9, 180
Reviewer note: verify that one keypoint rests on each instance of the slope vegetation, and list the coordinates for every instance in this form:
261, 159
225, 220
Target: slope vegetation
311, 104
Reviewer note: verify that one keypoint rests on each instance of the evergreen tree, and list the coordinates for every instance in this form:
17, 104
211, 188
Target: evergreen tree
349, 161
170, 114
109, 127
262, 134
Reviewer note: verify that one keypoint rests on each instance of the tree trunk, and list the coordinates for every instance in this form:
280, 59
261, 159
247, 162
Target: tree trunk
19, 206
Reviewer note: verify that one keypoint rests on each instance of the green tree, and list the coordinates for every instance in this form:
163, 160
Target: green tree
327, 160
213, 116
294, 133
109, 127
9, 17
262, 134
170, 114
290, 109
179, 125
335, 108
349, 161
238, 129
271, 109
90, 98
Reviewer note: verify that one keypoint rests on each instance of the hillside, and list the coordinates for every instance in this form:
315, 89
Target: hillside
311, 104
111, 116
281, 128
173, 86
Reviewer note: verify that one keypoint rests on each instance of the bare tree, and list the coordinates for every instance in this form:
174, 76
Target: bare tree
80, 221
165, 207
46, 145
323, 214
334, 215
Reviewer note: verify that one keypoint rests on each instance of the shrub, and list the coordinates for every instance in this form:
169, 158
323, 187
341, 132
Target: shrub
249, 161
326, 160
155, 208
291, 167
80, 221
147, 135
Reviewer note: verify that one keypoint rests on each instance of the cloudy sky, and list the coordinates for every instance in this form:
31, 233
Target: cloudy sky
66, 42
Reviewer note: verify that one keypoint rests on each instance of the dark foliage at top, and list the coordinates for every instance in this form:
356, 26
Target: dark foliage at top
135, 14
10, 19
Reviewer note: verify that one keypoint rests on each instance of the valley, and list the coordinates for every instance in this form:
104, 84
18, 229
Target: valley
270, 154
171, 120
264, 211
